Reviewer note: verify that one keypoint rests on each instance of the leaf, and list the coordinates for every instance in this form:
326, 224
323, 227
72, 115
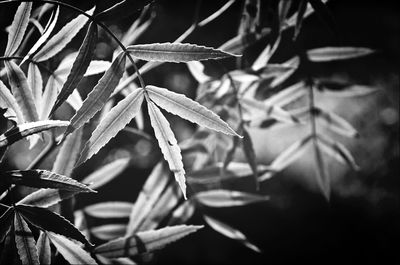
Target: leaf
43, 179
75, 100
56, 43
197, 71
250, 18
46, 197
43, 248
216, 14
230, 232
35, 82
335, 123
68, 154
21, 91
188, 109
321, 170
24, 241
144, 242
182, 213
288, 156
327, 54
176, 52
291, 66
6, 220
228, 198
109, 231
79, 66
8, 101
348, 91
99, 95
301, 11
147, 198
111, 209
240, 42
106, 173
168, 144
49, 97
23, 130
50, 221
97, 67
71, 251
287, 95
122, 9
18, 28
250, 154
114, 121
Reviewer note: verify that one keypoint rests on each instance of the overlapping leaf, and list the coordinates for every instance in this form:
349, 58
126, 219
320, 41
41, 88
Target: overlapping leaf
8, 101
35, 82
18, 28
46, 197
24, 241
43, 248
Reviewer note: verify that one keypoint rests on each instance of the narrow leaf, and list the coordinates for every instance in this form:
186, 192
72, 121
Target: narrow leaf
99, 95
336, 123
49, 97
228, 198
122, 9
300, 16
183, 213
327, 54
188, 109
240, 42
62, 38
106, 173
18, 28
176, 52
24, 241
23, 130
321, 170
144, 242
35, 82
97, 67
71, 251
79, 66
168, 144
287, 95
112, 209
230, 232
6, 221
108, 232
43, 179
46, 197
250, 154
114, 121
50, 221
197, 71
8, 101
43, 248
350, 91
21, 91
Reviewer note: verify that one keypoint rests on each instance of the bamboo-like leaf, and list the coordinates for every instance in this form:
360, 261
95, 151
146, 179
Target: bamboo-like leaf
8, 101
176, 52
46, 197
35, 82
216, 14
287, 95
111, 209
321, 170
79, 66
50, 221
68, 154
49, 97
56, 43
228, 198
6, 221
114, 121
43, 248
99, 95
188, 109
183, 213
197, 71
24, 241
21, 91
18, 28
327, 54
301, 11
240, 42
109, 231
97, 67
337, 151
292, 66
75, 100
288, 156
148, 196
106, 173
144, 242
336, 123
43, 179
350, 91
168, 144
23, 130
250, 154
71, 251
230, 232
122, 9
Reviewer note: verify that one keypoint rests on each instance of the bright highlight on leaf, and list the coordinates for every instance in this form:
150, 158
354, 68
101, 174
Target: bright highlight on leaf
327, 54
18, 28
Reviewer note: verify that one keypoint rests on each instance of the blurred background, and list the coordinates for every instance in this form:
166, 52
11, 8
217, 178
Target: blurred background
361, 223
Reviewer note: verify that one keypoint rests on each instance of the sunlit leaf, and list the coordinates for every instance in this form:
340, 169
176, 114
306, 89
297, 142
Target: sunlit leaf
18, 28
147, 197
239, 43
111, 209
197, 71
8, 101
335, 123
188, 109
114, 121
46, 197
292, 66
327, 54
182, 213
287, 95
176, 52
322, 172
230, 232
146, 241
168, 144
35, 82
71, 251
109, 231
50, 221
216, 14
43, 248
349, 91
301, 11
49, 97
122, 9
99, 95
105, 174
24, 241
23, 130
228, 198
97, 67
56, 43
79, 66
